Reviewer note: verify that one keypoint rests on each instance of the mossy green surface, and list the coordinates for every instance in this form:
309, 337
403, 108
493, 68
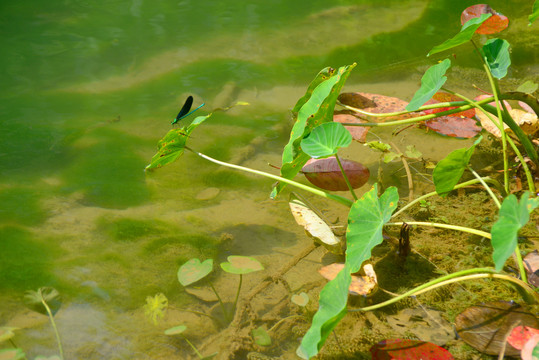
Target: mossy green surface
127, 229
21, 206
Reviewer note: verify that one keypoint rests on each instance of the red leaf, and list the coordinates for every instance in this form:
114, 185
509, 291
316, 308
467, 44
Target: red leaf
445, 97
376, 103
408, 349
520, 336
496, 23
326, 174
359, 133
463, 128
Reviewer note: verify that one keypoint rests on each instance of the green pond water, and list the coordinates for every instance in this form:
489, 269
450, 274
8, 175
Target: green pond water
90, 87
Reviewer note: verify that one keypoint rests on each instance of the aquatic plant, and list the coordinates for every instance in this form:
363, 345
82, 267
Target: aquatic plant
178, 330
194, 270
155, 307
315, 135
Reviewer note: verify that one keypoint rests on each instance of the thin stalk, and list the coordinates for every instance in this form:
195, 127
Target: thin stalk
445, 226
520, 264
238, 292
346, 177
464, 275
495, 91
487, 188
51, 317
426, 196
193, 347
225, 313
500, 126
337, 198
408, 172
424, 107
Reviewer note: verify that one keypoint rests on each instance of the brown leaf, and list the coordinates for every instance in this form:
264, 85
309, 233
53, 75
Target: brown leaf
486, 327
360, 285
326, 173
463, 128
496, 23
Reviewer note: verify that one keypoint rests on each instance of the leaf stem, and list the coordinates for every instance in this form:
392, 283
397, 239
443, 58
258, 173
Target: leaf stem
238, 292
337, 198
445, 226
225, 313
487, 188
193, 347
53, 323
345, 177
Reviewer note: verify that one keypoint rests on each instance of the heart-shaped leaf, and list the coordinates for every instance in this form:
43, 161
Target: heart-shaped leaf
496, 23
326, 174
496, 52
465, 34
535, 13
513, 215
448, 171
358, 133
261, 336
409, 349
241, 265
34, 300
325, 140
301, 299
193, 270
433, 79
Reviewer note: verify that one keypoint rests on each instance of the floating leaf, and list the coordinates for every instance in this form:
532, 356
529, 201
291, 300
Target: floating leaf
365, 221
314, 108
241, 265
326, 174
376, 103
520, 336
461, 128
301, 299
441, 96
360, 285
6, 333
261, 336
465, 34
172, 146
194, 270
485, 327
513, 216
314, 226
380, 146
496, 52
408, 349
433, 79
448, 171
535, 13
412, 152
325, 140
528, 87
34, 300
176, 330
12, 354
358, 133
496, 23
427, 324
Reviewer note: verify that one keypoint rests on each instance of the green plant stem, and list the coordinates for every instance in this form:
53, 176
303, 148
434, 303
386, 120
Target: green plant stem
487, 188
445, 226
456, 277
346, 177
225, 313
238, 293
51, 318
458, 186
520, 264
337, 198
193, 347
500, 126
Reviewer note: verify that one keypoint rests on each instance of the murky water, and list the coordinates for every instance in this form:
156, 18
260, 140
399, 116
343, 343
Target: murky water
88, 90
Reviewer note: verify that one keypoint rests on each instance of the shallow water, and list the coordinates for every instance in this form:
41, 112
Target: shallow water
90, 88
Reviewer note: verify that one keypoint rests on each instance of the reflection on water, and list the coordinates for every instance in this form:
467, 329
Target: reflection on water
89, 89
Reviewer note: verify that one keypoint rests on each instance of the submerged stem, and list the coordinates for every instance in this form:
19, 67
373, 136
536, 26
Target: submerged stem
225, 313
346, 177
193, 347
53, 323
238, 293
445, 226
487, 188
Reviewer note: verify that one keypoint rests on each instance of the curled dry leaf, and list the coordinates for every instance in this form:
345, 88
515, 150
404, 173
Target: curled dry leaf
314, 226
496, 23
359, 133
527, 121
360, 285
326, 173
